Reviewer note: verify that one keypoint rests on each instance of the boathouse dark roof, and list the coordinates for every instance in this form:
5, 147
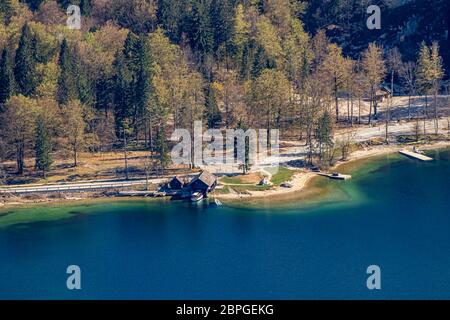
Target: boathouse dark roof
204, 182
207, 178
176, 183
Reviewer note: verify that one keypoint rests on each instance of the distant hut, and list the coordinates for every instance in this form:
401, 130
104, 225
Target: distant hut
176, 183
382, 94
205, 182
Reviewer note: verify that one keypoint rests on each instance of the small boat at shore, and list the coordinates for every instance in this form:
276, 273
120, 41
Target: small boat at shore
196, 197
336, 176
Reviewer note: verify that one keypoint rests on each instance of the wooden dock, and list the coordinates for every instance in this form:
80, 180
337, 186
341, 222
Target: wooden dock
415, 155
337, 176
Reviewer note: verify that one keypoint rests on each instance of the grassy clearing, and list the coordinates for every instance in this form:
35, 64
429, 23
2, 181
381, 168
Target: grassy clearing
244, 189
224, 190
251, 178
282, 175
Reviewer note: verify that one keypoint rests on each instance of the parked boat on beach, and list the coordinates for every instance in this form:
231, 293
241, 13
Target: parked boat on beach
197, 197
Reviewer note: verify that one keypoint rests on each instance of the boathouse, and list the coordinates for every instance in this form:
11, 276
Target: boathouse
205, 182
382, 94
176, 183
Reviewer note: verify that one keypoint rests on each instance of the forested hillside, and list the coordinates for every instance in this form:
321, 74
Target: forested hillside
138, 69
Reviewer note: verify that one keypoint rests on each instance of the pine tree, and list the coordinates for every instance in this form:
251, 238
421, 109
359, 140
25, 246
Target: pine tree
84, 86
259, 62
85, 7
143, 86
25, 64
212, 112
122, 93
67, 87
104, 95
246, 62
6, 11
6, 77
324, 135
43, 147
222, 21
424, 69
201, 32
161, 148
436, 75
170, 18
131, 53
34, 4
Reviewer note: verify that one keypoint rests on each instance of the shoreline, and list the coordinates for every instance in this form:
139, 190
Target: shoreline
301, 182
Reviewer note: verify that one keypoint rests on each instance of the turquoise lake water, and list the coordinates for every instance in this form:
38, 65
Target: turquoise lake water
394, 214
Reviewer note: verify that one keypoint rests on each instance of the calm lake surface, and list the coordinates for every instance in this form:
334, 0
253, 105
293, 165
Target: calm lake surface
394, 214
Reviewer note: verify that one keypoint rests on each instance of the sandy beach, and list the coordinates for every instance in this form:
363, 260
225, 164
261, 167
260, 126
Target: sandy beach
300, 183
301, 179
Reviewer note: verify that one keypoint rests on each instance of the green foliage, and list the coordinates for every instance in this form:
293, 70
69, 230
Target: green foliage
6, 77
212, 112
222, 22
429, 68
122, 92
25, 63
67, 88
200, 28
6, 11
161, 147
170, 17
282, 175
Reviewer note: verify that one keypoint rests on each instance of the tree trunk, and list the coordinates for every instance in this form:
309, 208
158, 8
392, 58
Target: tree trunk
409, 106
351, 115
436, 122
359, 110
348, 107
20, 158
75, 156
125, 154
371, 105
336, 99
387, 120
392, 83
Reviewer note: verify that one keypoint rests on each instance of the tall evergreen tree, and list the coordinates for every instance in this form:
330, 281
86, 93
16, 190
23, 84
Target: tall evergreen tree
67, 88
212, 112
259, 62
6, 11
43, 147
34, 4
104, 92
85, 7
201, 32
161, 148
6, 77
222, 22
25, 64
122, 93
84, 88
169, 16
436, 75
131, 53
246, 61
424, 69
143, 86
324, 135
